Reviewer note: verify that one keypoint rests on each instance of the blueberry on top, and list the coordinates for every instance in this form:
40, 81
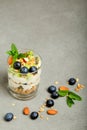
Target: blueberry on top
17, 65
24, 70
72, 81
51, 89
33, 69
8, 116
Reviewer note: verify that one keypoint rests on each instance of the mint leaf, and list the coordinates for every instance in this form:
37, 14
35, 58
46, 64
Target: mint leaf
13, 52
74, 96
9, 52
14, 48
63, 92
21, 55
70, 102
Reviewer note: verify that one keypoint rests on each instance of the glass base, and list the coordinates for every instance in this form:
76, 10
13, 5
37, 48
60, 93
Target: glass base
22, 96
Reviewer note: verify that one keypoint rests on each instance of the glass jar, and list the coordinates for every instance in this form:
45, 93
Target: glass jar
24, 86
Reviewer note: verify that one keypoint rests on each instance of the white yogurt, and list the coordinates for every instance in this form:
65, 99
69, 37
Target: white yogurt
26, 83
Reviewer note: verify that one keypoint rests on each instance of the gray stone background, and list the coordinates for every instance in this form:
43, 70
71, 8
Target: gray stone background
57, 30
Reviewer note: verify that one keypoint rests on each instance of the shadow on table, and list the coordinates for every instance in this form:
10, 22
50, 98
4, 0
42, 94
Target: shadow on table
3, 82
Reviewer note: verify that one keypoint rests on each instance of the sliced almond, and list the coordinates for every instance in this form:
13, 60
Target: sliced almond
63, 88
79, 86
76, 89
52, 111
26, 111
82, 86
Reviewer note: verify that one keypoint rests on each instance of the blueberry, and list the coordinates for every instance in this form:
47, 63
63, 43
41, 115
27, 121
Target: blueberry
33, 69
17, 65
8, 117
54, 95
24, 70
72, 81
49, 103
34, 115
51, 89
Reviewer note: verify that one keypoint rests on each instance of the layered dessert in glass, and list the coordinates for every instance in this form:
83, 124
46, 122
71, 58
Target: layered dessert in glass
24, 70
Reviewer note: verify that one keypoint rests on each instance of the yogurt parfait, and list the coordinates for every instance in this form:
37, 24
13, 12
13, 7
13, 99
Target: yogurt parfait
24, 70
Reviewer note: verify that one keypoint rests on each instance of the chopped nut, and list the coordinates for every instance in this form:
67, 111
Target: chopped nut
41, 109
39, 113
14, 117
82, 86
76, 89
13, 104
47, 118
43, 106
41, 116
79, 86
56, 82
47, 99
77, 79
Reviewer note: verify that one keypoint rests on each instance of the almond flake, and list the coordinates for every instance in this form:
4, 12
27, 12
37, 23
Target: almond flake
56, 82
77, 79
14, 117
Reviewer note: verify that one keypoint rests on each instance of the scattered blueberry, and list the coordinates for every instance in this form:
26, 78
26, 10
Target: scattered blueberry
33, 69
34, 115
51, 89
49, 103
54, 95
24, 70
17, 65
8, 117
72, 81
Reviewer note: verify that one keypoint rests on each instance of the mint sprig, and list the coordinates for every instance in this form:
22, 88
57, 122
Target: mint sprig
74, 96
70, 102
70, 97
63, 93
14, 52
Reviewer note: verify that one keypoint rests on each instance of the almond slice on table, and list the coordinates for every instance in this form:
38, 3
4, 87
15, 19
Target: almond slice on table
63, 88
26, 111
52, 111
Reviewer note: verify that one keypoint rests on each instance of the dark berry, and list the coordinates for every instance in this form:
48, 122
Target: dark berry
51, 89
49, 103
17, 65
24, 70
54, 95
8, 117
33, 69
72, 81
34, 115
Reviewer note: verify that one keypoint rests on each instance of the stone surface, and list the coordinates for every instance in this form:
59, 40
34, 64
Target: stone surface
57, 30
